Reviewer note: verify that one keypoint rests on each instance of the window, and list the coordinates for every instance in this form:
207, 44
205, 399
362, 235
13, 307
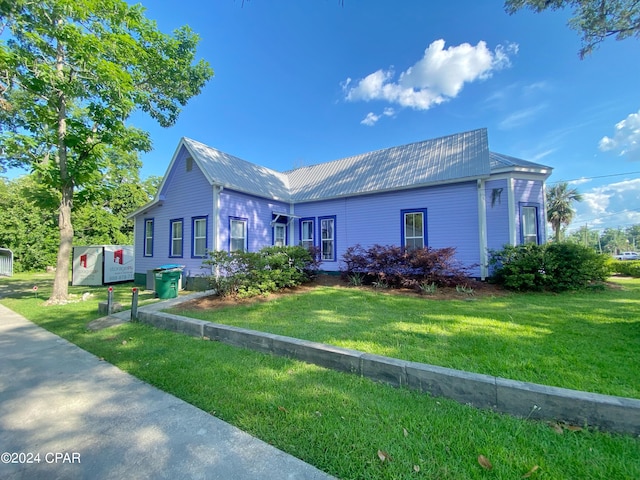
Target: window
279, 235
306, 233
199, 229
414, 229
238, 236
176, 238
148, 238
327, 243
529, 224
279, 223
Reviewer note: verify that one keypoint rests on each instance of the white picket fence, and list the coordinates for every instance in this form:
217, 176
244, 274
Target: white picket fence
6, 262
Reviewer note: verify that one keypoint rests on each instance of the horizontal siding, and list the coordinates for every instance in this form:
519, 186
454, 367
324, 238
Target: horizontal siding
257, 211
497, 213
452, 219
187, 195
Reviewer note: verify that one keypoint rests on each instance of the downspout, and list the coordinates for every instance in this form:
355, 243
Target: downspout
482, 228
511, 200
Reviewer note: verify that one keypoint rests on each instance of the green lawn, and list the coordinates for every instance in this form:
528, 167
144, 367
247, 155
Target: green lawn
585, 341
336, 421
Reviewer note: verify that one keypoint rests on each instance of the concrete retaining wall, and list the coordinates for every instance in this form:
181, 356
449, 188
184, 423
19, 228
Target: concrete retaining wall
615, 414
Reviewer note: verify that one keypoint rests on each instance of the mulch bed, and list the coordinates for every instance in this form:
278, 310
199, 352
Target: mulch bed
480, 289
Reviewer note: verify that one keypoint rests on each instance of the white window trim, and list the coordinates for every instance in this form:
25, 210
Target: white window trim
307, 242
244, 231
332, 239
197, 237
422, 235
283, 229
148, 238
536, 233
174, 239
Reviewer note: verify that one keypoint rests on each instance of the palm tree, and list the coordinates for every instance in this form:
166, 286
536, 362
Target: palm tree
559, 206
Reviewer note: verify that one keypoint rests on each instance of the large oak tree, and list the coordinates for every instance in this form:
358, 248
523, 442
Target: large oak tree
71, 74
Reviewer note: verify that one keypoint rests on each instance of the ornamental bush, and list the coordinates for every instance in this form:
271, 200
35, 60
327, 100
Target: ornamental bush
247, 274
518, 267
395, 266
555, 267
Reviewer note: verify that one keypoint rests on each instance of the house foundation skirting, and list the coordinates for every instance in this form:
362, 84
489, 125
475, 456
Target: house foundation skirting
522, 399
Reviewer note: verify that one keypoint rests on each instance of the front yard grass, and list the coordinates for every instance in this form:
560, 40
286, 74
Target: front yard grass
341, 423
583, 340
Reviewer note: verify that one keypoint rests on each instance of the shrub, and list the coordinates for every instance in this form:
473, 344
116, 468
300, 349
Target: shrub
227, 268
630, 268
438, 265
246, 274
398, 267
569, 266
427, 288
519, 267
556, 267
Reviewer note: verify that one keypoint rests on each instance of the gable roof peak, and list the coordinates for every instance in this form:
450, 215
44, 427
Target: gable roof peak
232, 172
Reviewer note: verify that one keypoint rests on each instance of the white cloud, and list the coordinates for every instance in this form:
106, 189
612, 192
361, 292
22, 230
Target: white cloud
579, 181
371, 118
626, 139
520, 117
596, 202
438, 76
535, 87
536, 157
610, 206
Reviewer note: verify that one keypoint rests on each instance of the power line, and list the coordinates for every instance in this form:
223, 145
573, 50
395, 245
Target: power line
617, 213
593, 219
593, 178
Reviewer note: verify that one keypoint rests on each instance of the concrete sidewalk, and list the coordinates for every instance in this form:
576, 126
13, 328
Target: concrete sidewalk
80, 417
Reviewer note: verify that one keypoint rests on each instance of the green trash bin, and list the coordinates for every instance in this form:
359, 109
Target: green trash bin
167, 281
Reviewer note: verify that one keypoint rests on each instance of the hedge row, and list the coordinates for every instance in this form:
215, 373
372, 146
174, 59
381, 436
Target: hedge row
630, 268
555, 266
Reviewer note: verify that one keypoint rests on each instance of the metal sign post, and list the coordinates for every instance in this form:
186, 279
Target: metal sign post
134, 304
110, 301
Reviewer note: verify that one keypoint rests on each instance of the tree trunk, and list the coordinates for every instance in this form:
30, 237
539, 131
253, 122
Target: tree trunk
60, 291
556, 226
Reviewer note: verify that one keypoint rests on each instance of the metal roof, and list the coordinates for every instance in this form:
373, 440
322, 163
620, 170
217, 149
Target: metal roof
441, 160
499, 161
232, 172
453, 158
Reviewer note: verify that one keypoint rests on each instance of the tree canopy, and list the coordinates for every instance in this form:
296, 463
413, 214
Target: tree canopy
25, 227
28, 223
71, 74
595, 20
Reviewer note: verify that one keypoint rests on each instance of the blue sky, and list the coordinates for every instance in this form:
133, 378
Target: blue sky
299, 82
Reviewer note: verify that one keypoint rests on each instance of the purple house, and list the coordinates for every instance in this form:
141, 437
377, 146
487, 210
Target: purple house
445, 192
